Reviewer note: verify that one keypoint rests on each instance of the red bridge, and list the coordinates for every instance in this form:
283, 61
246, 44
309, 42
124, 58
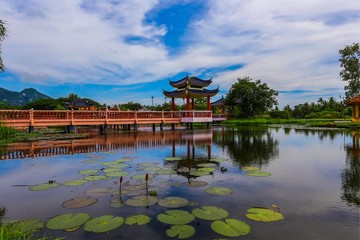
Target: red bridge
45, 118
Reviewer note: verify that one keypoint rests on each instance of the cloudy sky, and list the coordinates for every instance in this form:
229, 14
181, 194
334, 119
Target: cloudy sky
115, 51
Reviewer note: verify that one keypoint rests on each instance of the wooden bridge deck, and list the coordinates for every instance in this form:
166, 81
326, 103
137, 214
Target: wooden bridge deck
45, 118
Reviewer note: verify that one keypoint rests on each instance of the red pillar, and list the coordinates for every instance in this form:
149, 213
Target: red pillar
193, 104
172, 104
187, 103
208, 103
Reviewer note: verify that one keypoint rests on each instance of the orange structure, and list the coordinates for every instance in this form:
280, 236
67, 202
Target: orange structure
355, 103
190, 88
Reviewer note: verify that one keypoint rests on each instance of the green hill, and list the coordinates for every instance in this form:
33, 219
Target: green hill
20, 98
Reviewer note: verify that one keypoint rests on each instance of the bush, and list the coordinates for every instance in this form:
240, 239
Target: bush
279, 114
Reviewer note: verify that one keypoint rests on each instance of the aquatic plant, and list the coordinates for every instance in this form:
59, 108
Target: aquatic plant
219, 190
79, 202
173, 202
104, 223
210, 213
138, 219
67, 221
264, 215
176, 217
181, 231
231, 227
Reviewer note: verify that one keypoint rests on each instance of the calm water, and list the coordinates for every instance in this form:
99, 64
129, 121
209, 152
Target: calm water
314, 180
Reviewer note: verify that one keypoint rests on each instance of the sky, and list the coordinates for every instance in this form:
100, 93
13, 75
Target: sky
116, 51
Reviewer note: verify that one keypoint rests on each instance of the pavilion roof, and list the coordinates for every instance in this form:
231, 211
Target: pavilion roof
193, 82
219, 102
353, 100
193, 93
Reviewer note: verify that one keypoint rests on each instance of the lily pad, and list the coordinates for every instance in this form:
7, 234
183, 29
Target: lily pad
96, 178
26, 225
118, 165
176, 217
96, 192
111, 170
166, 172
75, 182
250, 168
219, 190
205, 165
142, 201
67, 221
206, 169
103, 224
90, 161
264, 215
173, 202
44, 186
181, 231
139, 219
89, 171
116, 203
231, 227
141, 177
218, 159
199, 173
79, 202
152, 169
117, 174
258, 173
121, 160
210, 213
173, 158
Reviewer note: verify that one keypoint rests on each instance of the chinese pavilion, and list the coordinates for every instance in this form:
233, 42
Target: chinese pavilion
190, 87
220, 103
355, 103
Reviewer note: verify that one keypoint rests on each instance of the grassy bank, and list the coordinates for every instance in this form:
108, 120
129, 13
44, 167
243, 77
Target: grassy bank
326, 123
7, 134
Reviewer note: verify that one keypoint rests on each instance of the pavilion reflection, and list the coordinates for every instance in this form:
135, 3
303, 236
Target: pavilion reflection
111, 142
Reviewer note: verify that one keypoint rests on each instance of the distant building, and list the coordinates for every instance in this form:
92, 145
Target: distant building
355, 104
80, 104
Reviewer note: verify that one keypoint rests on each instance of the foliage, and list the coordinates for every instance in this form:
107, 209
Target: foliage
2, 37
131, 106
45, 104
350, 62
6, 133
248, 98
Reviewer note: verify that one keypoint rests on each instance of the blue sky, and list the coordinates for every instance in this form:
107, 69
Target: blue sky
115, 51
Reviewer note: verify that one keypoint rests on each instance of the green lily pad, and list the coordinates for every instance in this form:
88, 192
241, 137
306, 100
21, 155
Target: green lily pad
122, 160
67, 221
166, 172
72, 229
142, 201
96, 178
231, 227
152, 169
89, 171
181, 231
210, 213
79, 202
117, 174
116, 203
30, 225
139, 219
77, 182
264, 215
111, 170
219, 190
258, 174
104, 223
205, 165
107, 163
218, 159
250, 168
118, 165
173, 202
96, 192
207, 169
176, 217
141, 177
44, 186
173, 158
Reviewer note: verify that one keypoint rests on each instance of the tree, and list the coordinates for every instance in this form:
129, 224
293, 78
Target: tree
2, 37
350, 63
45, 104
248, 98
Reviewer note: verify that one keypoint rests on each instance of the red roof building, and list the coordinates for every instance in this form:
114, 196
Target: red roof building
355, 104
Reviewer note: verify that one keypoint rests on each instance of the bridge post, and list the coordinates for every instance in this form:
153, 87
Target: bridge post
31, 129
173, 126
135, 126
161, 126
153, 127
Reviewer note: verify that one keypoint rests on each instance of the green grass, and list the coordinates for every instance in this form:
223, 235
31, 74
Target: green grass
7, 134
328, 123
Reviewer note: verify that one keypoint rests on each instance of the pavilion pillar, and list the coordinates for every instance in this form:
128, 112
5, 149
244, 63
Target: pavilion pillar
188, 103
172, 104
208, 103
192, 104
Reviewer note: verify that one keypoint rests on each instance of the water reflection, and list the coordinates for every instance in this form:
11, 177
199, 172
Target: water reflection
351, 174
248, 146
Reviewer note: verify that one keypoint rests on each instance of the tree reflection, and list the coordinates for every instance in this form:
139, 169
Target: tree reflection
351, 174
248, 145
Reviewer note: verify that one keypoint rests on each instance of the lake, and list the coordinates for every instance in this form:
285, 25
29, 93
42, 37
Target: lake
308, 176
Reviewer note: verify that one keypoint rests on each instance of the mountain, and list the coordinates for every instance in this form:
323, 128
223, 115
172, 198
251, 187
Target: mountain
20, 98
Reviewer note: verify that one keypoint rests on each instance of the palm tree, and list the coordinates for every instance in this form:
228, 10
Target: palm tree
2, 37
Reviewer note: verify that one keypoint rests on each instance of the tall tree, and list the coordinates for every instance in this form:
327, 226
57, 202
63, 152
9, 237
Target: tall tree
350, 63
248, 98
2, 37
